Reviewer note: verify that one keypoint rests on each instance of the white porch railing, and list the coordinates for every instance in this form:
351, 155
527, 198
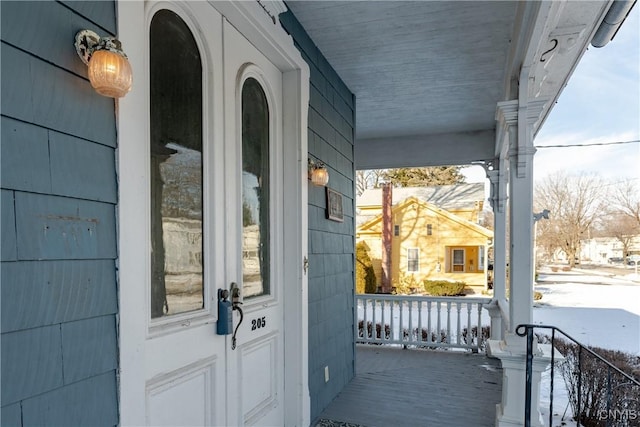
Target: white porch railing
423, 321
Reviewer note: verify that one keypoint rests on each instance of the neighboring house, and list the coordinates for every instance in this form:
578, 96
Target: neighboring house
429, 242
602, 249
114, 268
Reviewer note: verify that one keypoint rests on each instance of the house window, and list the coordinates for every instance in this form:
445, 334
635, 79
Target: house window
396, 230
458, 260
429, 229
481, 258
413, 260
255, 190
177, 261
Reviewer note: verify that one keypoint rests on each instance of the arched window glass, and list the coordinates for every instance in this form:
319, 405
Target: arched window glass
177, 266
255, 190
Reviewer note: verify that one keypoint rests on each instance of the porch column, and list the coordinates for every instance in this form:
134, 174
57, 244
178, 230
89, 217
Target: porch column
498, 178
518, 117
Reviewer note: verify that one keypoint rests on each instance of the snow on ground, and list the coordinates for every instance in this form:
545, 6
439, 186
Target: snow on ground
598, 310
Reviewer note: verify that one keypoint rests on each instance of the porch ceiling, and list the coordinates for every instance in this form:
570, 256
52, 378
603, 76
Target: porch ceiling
427, 75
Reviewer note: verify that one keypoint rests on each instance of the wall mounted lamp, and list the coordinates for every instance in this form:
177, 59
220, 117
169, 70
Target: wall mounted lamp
109, 69
318, 173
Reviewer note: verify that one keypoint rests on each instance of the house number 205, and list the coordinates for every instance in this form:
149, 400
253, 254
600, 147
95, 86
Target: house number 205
258, 323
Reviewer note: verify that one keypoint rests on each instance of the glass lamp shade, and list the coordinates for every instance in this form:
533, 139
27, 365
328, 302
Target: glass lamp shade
110, 73
320, 176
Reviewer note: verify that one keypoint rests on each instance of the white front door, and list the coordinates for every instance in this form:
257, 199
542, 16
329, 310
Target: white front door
209, 186
253, 137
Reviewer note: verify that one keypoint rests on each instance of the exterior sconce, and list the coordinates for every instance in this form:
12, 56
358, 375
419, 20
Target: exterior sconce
318, 173
109, 69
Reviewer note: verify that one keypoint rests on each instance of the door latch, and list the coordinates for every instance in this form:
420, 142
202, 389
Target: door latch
236, 303
305, 264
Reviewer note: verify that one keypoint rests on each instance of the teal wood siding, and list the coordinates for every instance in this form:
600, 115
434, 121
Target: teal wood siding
58, 184
331, 244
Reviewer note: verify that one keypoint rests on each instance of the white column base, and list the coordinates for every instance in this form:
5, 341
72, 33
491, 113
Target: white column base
510, 412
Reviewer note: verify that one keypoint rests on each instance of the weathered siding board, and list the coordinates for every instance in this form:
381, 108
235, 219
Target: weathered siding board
11, 415
91, 402
331, 253
31, 363
89, 348
50, 227
7, 211
37, 92
25, 157
101, 12
59, 190
82, 169
35, 294
16, 74
60, 25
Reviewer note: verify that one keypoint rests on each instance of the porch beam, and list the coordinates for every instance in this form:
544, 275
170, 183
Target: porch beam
453, 148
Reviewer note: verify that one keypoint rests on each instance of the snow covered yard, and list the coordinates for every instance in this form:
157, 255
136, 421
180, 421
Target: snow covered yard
596, 309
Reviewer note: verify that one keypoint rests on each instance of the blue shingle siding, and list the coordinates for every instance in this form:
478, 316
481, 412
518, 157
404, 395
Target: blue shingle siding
331, 244
91, 402
59, 192
43, 293
11, 415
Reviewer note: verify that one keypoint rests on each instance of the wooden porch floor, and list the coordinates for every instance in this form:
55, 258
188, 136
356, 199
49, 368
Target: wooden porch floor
396, 387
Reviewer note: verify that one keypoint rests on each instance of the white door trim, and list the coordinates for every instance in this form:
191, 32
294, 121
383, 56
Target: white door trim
253, 22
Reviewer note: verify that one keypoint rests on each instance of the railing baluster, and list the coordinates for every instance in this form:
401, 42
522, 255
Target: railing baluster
365, 327
383, 316
458, 328
553, 340
438, 307
429, 336
410, 336
391, 321
608, 395
480, 337
374, 337
529, 368
448, 322
469, 331
401, 311
419, 335
579, 386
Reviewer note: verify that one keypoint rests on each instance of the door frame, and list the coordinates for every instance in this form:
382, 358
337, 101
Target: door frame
252, 20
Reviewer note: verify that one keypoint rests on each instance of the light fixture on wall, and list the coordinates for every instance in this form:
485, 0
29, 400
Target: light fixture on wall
109, 69
318, 173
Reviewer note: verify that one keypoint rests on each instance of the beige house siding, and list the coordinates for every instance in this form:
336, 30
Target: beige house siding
412, 220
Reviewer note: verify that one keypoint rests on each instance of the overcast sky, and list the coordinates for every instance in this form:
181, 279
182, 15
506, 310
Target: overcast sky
601, 104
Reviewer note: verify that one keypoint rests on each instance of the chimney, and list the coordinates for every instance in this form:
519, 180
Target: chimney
387, 235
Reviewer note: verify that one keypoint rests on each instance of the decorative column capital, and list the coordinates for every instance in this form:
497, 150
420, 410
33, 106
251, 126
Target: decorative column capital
507, 112
498, 197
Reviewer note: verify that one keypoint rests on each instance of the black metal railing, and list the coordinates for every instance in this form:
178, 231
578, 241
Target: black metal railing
598, 398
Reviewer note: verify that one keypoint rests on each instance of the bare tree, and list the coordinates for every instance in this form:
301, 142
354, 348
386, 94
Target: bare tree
368, 179
575, 204
621, 226
626, 199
